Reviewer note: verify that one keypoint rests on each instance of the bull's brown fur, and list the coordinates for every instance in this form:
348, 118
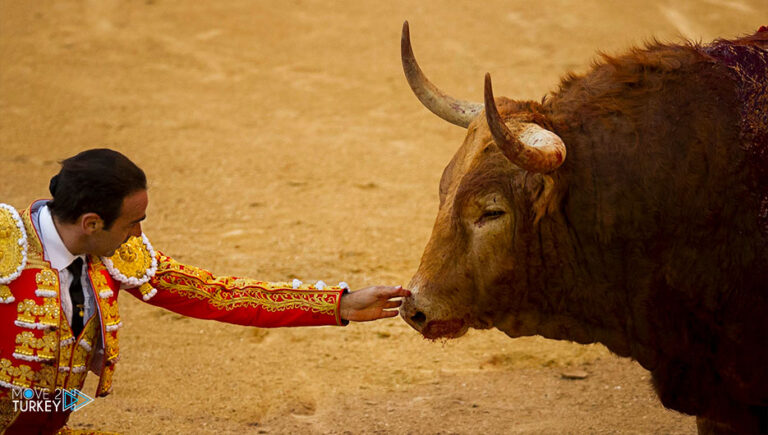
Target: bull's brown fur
666, 194
647, 239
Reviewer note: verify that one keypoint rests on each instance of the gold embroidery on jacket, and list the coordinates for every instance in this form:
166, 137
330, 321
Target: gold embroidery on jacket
110, 313
97, 273
20, 376
45, 377
111, 349
99, 282
29, 344
82, 354
6, 371
46, 314
34, 247
105, 383
23, 376
46, 280
229, 298
66, 346
228, 293
64, 357
132, 258
11, 253
147, 291
5, 293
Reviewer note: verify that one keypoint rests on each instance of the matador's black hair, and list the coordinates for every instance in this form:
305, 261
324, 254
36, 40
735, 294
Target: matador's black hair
94, 181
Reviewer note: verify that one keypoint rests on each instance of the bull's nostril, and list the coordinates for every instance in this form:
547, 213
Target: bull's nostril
419, 318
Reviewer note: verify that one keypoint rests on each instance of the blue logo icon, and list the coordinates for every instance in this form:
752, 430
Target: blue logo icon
74, 399
28, 393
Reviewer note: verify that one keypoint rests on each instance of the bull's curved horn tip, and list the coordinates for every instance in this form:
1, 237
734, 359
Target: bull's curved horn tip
405, 42
488, 87
454, 111
490, 101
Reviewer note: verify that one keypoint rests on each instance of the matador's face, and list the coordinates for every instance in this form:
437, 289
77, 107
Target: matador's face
105, 242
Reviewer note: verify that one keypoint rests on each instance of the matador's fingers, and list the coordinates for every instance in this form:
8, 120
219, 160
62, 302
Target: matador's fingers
394, 292
393, 304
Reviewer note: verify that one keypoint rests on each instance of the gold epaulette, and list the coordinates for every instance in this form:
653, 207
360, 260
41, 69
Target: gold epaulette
13, 250
134, 263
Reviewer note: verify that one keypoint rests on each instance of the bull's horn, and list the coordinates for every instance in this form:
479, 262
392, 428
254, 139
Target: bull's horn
525, 144
454, 111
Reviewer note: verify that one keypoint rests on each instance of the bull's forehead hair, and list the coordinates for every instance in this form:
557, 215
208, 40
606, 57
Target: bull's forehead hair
490, 172
477, 139
479, 163
454, 168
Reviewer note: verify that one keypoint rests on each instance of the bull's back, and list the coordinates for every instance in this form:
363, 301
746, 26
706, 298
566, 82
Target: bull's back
654, 142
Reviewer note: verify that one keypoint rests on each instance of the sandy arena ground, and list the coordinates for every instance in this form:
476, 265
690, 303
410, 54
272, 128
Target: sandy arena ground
281, 140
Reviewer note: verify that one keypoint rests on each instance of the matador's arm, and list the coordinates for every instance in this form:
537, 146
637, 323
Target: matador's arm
195, 292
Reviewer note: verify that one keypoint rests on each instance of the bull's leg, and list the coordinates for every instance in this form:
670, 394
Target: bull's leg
698, 390
753, 421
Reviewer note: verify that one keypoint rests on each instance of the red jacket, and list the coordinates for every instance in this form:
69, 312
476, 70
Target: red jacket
37, 349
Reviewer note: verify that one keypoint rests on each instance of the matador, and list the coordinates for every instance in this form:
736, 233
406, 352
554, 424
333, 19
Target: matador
64, 262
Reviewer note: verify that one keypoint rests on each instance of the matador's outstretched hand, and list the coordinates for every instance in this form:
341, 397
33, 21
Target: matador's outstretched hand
371, 303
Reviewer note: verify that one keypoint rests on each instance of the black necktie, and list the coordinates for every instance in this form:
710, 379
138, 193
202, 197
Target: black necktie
77, 296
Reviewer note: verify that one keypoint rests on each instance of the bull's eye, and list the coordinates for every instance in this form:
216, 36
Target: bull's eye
490, 215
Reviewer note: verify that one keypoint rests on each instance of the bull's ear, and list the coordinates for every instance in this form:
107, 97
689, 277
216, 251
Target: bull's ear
545, 200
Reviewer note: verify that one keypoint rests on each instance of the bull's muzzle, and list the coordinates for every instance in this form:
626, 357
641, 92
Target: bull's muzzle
430, 327
412, 315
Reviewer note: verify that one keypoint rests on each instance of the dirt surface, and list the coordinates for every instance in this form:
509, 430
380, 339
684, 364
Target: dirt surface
281, 140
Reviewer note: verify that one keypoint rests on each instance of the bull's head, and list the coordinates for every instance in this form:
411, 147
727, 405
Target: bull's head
492, 193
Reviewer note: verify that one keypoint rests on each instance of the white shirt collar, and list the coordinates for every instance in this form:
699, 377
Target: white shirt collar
55, 250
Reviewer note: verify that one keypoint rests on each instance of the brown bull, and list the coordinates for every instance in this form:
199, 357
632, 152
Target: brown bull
630, 208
